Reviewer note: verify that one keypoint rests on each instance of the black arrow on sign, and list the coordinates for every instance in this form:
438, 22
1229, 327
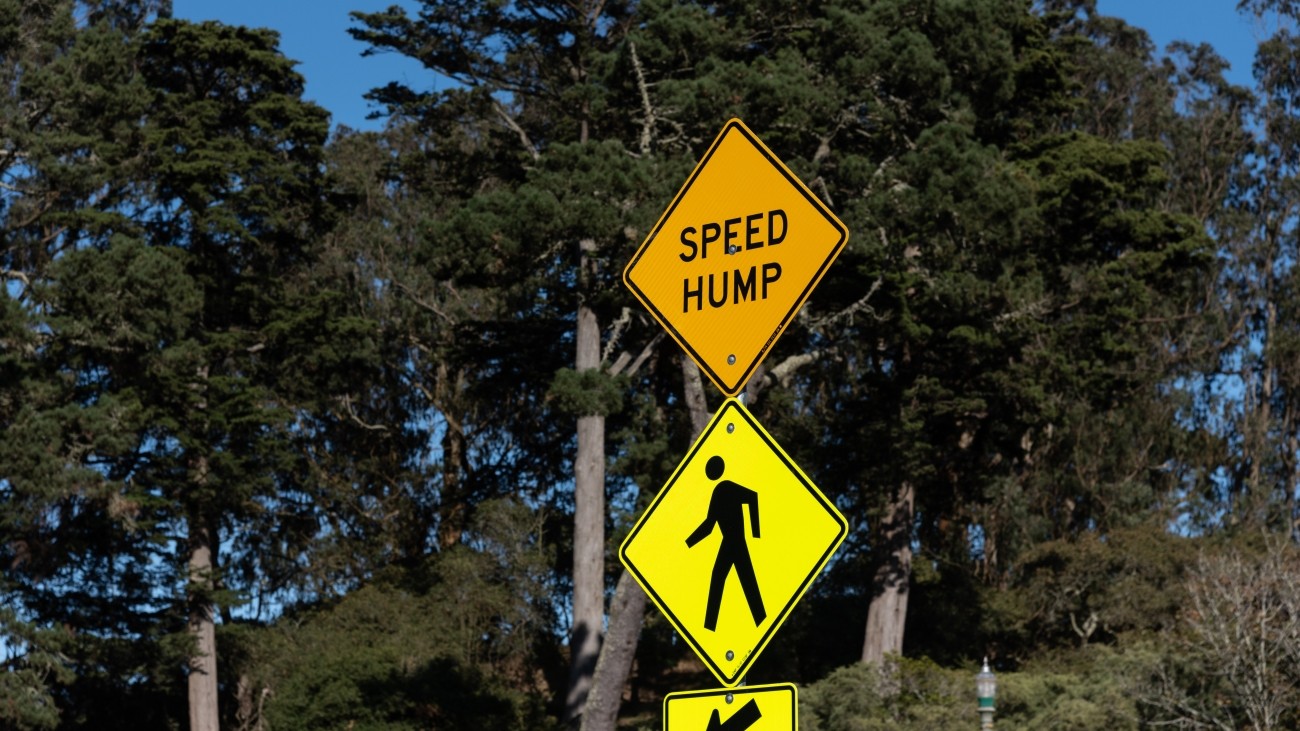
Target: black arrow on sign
743, 719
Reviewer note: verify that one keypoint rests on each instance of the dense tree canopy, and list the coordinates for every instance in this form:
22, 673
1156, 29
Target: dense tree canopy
313, 431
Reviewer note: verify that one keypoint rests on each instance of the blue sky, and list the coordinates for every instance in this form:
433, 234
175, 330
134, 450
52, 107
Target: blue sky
1216, 22
315, 34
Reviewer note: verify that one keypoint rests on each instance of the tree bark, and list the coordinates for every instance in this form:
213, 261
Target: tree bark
693, 392
627, 611
204, 715
453, 503
887, 614
202, 545
626, 615
588, 519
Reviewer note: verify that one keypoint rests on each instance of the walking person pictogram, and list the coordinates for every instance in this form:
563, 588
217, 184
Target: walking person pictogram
726, 511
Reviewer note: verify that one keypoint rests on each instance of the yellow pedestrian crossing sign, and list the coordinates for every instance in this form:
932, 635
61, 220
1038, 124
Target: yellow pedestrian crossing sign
734, 256
732, 542
751, 708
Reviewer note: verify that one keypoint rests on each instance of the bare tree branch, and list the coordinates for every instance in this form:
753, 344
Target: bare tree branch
862, 305
648, 110
616, 333
618, 367
513, 125
783, 371
1243, 626
352, 413
423, 304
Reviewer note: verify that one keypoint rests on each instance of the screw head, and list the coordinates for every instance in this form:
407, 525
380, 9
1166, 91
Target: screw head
730, 697
731, 428
731, 655
731, 360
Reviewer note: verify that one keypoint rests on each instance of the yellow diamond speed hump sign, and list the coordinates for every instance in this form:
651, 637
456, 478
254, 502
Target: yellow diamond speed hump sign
732, 541
734, 256
751, 708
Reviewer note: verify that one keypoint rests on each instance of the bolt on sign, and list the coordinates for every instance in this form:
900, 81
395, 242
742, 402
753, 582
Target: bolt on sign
735, 256
732, 541
751, 708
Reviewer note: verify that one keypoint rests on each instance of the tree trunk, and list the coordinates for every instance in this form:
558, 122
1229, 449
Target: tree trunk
693, 392
588, 519
202, 680
627, 612
203, 663
626, 615
888, 611
453, 503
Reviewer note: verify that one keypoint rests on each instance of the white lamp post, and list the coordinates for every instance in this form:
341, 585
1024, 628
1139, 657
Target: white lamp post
986, 688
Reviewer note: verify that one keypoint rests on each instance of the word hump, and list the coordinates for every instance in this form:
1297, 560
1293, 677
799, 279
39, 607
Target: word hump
734, 256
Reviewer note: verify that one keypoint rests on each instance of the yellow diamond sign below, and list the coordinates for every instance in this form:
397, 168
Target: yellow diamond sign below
751, 708
732, 542
734, 257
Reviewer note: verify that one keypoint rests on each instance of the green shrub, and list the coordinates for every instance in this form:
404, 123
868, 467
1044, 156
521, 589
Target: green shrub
1089, 690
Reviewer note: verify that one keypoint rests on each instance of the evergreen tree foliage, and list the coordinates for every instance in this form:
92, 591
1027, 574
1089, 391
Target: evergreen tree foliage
1017, 279
1091, 590
69, 144
301, 432
154, 473
917, 694
451, 643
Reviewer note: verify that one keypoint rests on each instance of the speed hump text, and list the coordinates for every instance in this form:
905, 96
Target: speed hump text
734, 256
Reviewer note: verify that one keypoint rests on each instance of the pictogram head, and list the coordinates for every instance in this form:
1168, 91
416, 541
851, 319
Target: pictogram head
714, 467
